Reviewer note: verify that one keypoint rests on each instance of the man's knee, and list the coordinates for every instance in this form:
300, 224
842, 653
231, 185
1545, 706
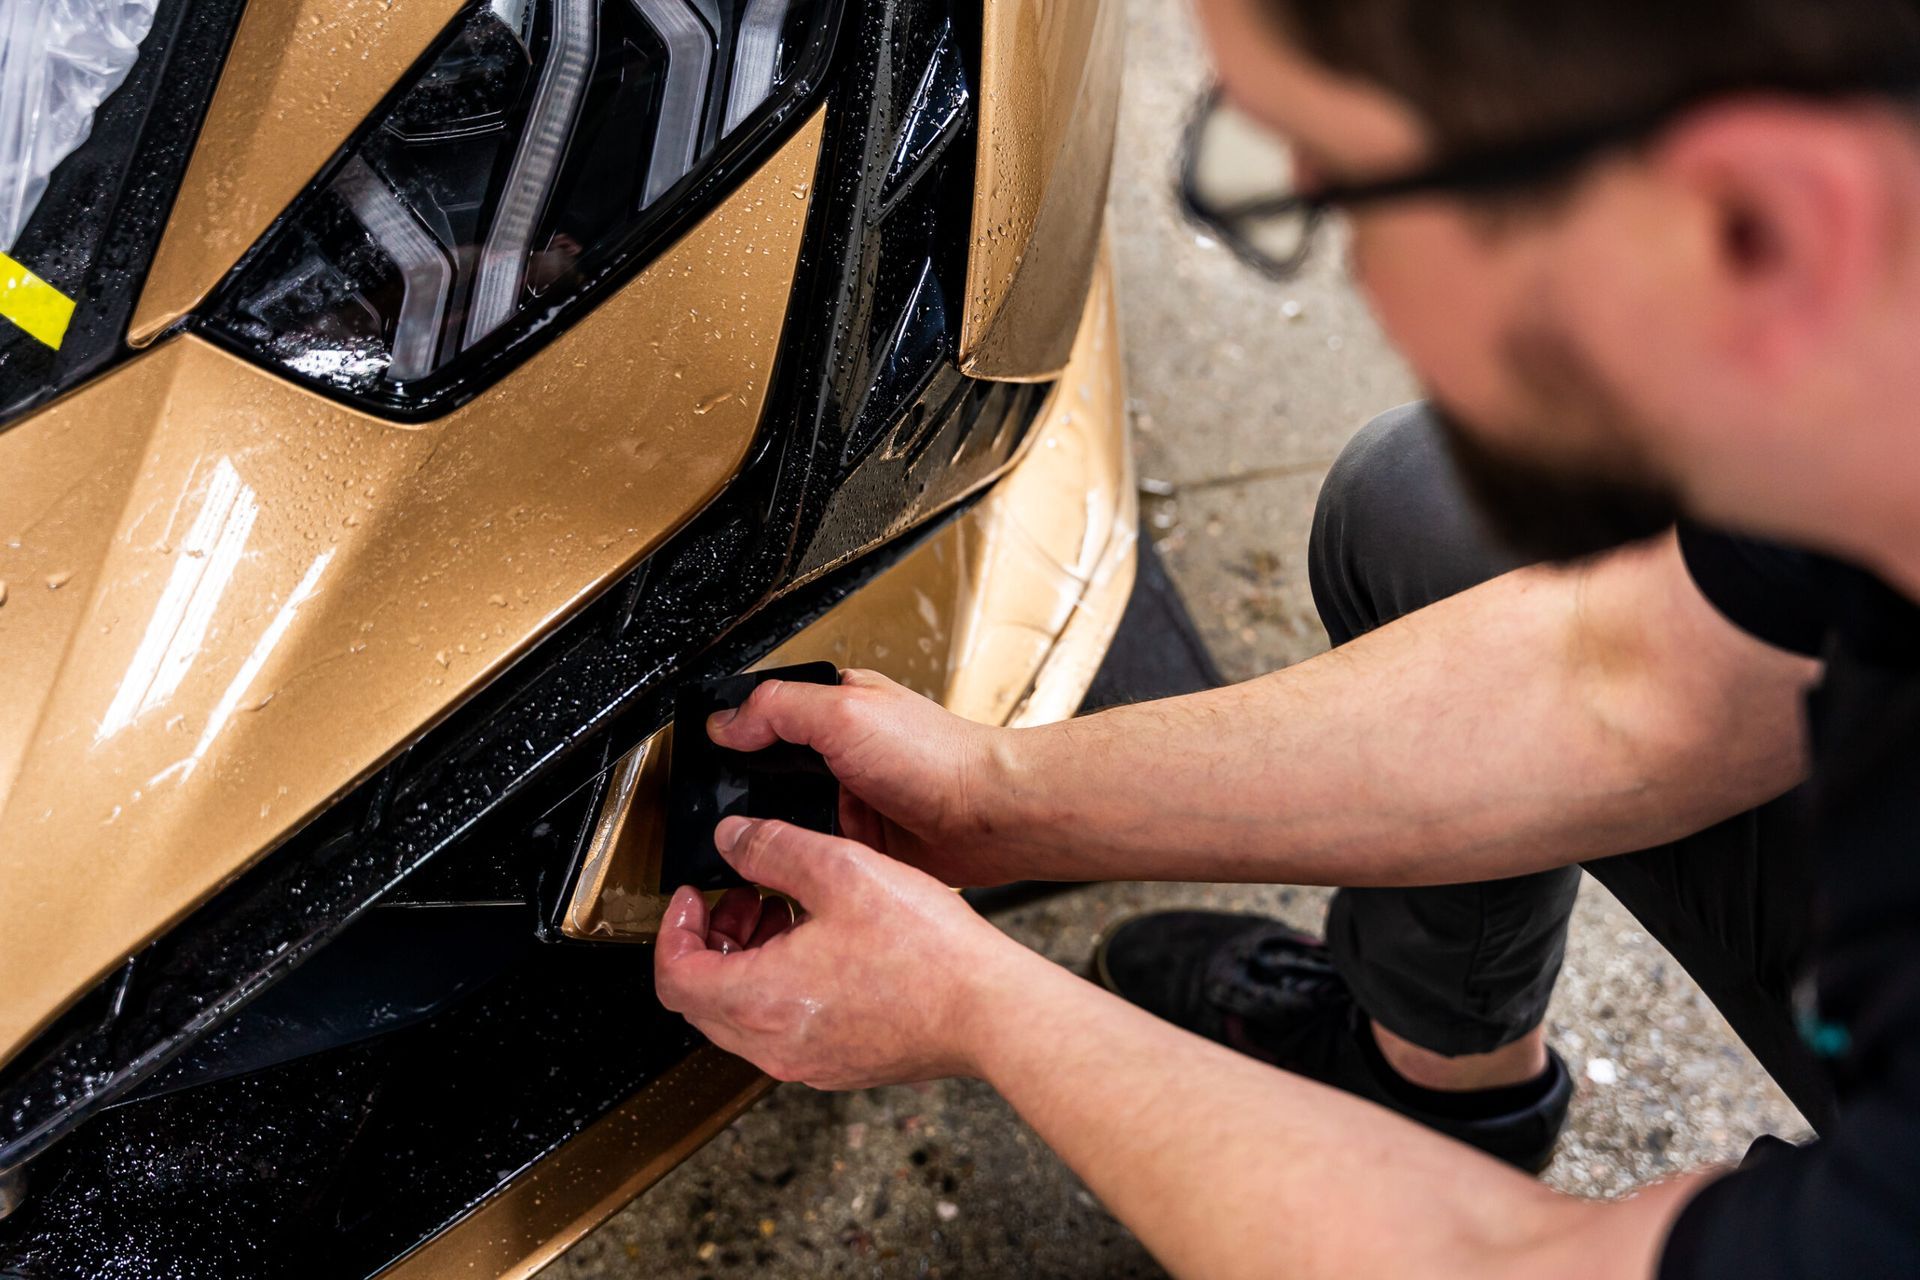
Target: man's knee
1376, 481
1394, 530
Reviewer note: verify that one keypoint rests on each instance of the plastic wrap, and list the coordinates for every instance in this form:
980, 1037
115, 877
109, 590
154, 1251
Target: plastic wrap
59, 59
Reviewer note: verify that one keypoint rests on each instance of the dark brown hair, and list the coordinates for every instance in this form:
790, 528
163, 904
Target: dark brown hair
1486, 71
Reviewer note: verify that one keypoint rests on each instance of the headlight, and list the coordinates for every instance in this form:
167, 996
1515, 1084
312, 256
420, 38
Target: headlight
543, 146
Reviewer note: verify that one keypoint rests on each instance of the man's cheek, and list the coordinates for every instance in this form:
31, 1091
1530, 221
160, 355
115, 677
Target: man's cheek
1440, 311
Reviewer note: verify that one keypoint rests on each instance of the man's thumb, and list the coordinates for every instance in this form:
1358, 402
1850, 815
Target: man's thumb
805, 865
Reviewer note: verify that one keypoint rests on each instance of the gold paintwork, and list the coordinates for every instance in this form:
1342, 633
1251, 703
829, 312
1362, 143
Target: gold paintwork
224, 600
618, 894
300, 78
1003, 615
230, 599
1050, 94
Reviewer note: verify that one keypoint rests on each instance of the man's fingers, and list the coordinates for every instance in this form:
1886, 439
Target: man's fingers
776, 917
692, 973
858, 821
792, 860
685, 969
734, 919
684, 929
781, 711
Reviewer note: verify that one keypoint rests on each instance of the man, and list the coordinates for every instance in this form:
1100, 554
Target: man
1651, 259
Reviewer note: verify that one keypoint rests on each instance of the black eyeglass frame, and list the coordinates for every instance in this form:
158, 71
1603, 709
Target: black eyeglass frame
1485, 171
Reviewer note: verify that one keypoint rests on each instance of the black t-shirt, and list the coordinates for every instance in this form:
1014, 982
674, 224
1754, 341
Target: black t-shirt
1849, 1204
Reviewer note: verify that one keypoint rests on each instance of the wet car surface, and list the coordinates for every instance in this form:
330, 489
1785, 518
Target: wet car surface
362, 523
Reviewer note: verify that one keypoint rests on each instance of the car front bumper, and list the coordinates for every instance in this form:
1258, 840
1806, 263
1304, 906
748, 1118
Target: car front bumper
1003, 614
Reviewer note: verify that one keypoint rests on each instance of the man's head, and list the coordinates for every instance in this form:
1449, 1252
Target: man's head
1726, 315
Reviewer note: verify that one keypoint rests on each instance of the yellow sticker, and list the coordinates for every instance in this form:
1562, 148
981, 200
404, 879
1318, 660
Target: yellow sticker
33, 304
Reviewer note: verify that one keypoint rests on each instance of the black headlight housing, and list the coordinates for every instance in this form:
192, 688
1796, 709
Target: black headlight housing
536, 155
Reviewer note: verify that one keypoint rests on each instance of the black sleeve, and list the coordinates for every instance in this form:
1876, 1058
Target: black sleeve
1775, 593
1847, 1206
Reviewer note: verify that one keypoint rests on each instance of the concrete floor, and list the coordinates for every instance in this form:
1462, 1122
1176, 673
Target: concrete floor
1243, 393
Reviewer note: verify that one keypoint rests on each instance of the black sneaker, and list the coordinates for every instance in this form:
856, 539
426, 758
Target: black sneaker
1259, 987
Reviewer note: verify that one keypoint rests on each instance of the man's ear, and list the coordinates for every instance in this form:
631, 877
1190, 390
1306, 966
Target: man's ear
1799, 206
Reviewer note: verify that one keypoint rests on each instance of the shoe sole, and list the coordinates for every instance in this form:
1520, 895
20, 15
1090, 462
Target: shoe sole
1097, 971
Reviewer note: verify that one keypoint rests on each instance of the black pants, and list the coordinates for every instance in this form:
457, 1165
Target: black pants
1468, 968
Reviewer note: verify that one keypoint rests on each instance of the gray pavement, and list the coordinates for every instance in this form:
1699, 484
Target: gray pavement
1242, 394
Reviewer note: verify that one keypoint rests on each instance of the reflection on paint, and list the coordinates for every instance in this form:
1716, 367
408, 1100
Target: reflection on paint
237, 688
262, 650
174, 634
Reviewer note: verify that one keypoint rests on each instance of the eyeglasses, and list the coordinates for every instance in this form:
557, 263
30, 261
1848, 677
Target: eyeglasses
1237, 177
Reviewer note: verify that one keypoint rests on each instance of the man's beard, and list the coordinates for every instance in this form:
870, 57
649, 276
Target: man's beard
1596, 495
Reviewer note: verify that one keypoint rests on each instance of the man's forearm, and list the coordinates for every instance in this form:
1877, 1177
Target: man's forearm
1544, 718
1228, 1168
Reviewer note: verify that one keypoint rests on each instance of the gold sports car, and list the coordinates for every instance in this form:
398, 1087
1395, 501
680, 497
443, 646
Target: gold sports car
400, 400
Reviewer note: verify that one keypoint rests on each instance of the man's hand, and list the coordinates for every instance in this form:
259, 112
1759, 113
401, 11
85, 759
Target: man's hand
882, 980
916, 780
1219, 1163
